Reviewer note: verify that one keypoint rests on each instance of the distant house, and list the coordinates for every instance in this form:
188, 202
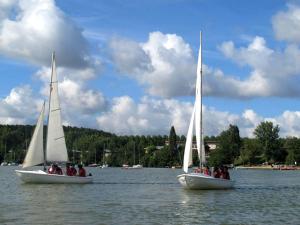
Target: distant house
107, 153
149, 147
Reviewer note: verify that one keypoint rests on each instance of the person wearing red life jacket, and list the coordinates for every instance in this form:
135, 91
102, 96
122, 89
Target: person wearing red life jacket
69, 170
217, 173
58, 170
81, 171
73, 170
206, 171
225, 174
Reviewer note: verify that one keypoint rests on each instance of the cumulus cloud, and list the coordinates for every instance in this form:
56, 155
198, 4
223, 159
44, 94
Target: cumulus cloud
80, 104
20, 106
152, 116
289, 123
164, 64
286, 24
147, 117
32, 29
274, 73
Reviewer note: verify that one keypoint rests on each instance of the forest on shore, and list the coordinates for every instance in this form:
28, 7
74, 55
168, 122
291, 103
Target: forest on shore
94, 146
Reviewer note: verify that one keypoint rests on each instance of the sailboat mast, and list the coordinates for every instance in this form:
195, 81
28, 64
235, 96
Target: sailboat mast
50, 90
200, 99
201, 91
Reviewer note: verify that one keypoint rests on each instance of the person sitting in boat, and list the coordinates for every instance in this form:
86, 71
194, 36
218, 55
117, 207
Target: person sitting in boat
68, 170
81, 171
217, 173
51, 169
206, 171
197, 170
58, 170
225, 173
73, 170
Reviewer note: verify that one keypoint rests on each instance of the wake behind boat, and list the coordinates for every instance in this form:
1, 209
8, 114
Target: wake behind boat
56, 150
199, 181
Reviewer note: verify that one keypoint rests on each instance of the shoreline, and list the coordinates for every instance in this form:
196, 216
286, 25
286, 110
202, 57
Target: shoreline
269, 167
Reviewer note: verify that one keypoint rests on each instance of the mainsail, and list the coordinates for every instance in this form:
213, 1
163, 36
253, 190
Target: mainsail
35, 153
196, 121
56, 150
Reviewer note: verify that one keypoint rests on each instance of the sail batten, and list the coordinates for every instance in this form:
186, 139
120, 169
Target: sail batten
56, 150
35, 153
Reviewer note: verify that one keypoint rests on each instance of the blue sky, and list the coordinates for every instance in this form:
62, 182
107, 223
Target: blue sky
128, 66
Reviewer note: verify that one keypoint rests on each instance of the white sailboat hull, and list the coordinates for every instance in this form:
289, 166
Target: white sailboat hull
41, 177
198, 181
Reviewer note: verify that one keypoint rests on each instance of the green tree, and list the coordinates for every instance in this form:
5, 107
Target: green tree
268, 137
250, 152
228, 148
173, 145
292, 145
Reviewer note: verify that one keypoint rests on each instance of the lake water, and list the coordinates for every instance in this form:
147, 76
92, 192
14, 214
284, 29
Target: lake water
151, 196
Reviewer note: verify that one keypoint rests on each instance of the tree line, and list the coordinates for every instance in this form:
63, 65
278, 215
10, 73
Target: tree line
89, 146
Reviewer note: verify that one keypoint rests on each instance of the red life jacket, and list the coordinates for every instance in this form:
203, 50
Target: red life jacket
73, 171
69, 171
81, 172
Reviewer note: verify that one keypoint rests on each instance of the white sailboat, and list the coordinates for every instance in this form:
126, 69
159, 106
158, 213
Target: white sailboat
198, 180
56, 150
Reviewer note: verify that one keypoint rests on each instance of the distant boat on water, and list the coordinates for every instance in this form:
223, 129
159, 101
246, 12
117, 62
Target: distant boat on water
56, 150
104, 166
93, 165
198, 180
4, 164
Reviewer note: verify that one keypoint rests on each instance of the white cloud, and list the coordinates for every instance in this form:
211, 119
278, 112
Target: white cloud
20, 106
289, 123
164, 64
152, 116
129, 56
30, 30
274, 73
166, 67
80, 104
147, 117
36, 29
286, 24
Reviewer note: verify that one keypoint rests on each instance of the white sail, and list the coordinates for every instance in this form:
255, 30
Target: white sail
56, 150
198, 116
188, 158
35, 153
196, 120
